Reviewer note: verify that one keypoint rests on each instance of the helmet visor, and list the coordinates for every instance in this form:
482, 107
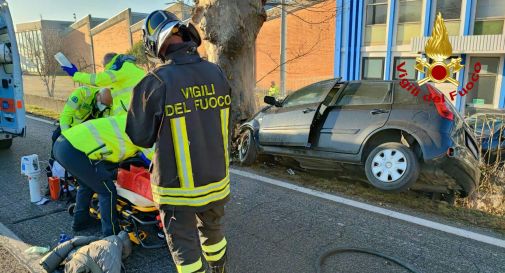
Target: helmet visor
154, 21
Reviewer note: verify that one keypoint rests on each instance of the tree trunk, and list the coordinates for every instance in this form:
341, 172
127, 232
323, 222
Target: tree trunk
229, 29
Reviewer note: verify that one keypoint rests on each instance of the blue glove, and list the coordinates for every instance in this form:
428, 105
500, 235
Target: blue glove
70, 70
64, 237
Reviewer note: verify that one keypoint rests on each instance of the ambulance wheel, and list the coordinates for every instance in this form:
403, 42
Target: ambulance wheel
5, 144
71, 209
247, 150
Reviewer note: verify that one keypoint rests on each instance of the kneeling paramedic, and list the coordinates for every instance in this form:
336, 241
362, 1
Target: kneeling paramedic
183, 107
91, 152
83, 104
121, 74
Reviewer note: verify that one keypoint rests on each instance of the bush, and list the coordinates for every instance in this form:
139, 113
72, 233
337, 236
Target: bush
138, 52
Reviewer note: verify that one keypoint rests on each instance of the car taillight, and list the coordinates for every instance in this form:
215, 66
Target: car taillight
442, 108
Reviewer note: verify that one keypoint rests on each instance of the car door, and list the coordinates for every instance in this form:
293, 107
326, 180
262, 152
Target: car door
358, 110
290, 124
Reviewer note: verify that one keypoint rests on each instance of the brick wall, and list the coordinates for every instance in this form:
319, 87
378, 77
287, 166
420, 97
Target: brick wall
112, 35
310, 44
310, 47
137, 36
77, 44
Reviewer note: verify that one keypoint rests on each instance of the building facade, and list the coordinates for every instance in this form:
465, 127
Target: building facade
87, 40
371, 37
33, 37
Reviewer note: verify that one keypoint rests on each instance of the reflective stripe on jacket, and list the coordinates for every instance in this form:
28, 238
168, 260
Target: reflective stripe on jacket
102, 139
120, 81
184, 108
78, 107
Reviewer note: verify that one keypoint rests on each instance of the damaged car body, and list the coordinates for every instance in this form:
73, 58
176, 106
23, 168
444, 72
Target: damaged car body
372, 123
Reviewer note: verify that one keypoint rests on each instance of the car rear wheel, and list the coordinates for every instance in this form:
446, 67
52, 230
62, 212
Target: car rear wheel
392, 167
247, 149
5, 144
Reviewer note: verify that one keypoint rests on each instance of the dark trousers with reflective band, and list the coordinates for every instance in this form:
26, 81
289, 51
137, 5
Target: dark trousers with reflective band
192, 235
92, 178
54, 137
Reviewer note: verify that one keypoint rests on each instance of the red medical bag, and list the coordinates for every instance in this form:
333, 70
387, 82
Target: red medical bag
137, 180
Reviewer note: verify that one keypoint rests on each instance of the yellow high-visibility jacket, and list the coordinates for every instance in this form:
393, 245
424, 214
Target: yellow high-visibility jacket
121, 75
104, 139
78, 107
274, 91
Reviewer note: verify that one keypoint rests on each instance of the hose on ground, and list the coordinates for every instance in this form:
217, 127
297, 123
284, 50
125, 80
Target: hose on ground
331, 252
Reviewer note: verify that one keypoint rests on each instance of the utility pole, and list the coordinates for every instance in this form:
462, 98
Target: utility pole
283, 48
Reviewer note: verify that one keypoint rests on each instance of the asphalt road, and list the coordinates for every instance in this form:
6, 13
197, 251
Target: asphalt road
269, 229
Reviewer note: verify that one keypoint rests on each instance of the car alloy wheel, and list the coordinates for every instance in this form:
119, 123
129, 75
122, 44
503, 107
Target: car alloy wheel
389, 165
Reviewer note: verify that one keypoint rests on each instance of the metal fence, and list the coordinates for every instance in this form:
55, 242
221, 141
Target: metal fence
489, 130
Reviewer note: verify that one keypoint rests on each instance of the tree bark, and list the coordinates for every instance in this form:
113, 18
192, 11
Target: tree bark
229, 29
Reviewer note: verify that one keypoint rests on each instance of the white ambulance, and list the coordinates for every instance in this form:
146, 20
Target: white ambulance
12, 108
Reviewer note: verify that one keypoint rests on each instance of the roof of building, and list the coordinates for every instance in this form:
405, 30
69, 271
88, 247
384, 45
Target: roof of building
137, 17
174, 8
43, 24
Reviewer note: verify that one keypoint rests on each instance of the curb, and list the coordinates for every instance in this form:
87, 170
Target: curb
10, 241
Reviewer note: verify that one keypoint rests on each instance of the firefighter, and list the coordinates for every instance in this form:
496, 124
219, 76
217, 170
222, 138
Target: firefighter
121, 74
84, 103
91, 152
186, 100
273, 91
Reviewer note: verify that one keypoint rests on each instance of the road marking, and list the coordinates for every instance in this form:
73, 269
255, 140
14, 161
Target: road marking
393, 214
40, 119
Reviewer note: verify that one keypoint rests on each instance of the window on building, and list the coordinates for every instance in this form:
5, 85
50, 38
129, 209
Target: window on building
409, 65
365, 93
373, 68
489, 17
409, 20
483, 93
451, 12
375, 23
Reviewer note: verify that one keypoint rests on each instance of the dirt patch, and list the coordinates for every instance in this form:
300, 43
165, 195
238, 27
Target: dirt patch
42, 112
9, 263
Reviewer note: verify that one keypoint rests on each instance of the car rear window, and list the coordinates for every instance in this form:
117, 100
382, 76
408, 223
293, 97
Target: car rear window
365, 93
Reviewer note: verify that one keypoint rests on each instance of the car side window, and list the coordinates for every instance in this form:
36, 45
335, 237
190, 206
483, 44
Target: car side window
311, 94
364, 93
404, 96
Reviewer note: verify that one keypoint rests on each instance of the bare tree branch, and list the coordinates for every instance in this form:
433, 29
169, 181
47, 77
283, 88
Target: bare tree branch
296, 57
41, 50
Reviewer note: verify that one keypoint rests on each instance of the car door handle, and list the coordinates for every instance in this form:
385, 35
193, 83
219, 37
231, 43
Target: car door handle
378, 111
308, 110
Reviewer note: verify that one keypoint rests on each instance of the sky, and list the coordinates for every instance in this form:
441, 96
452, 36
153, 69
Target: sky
31, 10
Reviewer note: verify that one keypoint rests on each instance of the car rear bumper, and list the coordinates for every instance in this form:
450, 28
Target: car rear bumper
463, 167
